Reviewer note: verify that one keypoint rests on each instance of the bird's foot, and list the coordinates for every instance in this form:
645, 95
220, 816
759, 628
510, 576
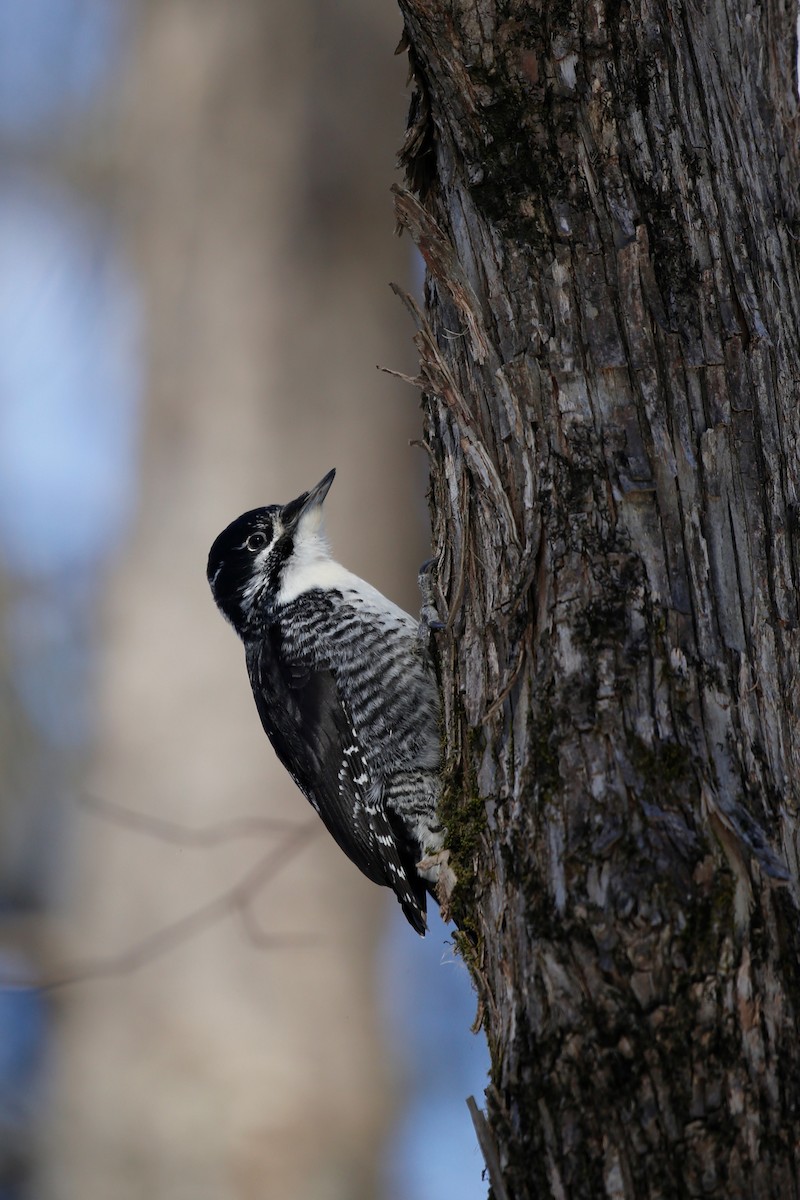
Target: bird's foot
429, 621
437, 870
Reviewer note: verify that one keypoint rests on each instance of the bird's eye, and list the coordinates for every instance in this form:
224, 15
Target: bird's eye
256, 541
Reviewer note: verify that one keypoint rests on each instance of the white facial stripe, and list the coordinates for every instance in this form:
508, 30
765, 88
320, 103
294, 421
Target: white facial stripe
277, 530
251, 593
258, 577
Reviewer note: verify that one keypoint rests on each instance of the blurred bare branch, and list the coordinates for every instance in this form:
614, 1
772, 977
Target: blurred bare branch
182, 835
236, 899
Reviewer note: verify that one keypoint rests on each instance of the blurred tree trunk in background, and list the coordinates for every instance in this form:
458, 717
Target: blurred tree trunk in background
253, 153
33, 770
608, 207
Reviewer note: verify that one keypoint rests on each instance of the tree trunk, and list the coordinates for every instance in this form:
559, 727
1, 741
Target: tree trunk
606, 200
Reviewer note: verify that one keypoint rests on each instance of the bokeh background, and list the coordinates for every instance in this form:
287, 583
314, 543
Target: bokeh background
196, 241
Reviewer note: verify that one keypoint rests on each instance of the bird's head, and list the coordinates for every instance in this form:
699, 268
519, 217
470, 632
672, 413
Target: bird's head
249, 561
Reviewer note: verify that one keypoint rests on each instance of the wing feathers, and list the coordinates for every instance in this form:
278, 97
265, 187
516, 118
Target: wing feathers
304, 717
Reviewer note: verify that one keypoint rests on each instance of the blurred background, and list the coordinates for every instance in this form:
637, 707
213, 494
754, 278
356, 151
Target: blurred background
196, 241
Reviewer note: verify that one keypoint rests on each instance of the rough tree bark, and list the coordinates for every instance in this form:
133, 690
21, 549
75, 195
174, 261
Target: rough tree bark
605, 195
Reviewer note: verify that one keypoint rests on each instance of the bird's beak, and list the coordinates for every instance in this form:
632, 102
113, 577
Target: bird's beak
313, 499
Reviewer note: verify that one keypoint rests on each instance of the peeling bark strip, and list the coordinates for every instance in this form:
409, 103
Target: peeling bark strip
606, 198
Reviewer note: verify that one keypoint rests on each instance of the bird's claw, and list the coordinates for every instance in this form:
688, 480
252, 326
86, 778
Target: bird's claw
429, 621
437, 870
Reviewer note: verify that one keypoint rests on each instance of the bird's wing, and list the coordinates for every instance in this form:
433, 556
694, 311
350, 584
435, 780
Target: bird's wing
302, 712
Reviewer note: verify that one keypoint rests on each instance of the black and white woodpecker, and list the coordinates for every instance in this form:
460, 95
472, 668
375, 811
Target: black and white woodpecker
345, 688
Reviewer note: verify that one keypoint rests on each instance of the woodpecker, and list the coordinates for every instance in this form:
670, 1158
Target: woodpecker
345, 689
